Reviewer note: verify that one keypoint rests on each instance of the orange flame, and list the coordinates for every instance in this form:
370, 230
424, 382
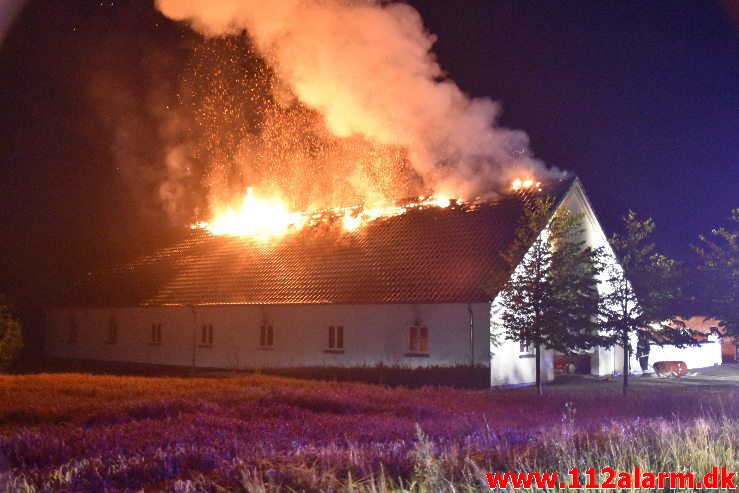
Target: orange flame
351, 222
270, 219
256, 217
519, 184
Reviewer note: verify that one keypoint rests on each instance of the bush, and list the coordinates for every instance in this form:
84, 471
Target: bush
11, 338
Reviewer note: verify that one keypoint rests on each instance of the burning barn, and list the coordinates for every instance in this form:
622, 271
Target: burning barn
403, 291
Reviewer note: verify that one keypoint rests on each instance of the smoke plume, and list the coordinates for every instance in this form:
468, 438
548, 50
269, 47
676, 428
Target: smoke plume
151, 141
368, 70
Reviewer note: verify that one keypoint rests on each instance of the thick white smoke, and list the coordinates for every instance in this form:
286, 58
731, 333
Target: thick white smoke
369, 70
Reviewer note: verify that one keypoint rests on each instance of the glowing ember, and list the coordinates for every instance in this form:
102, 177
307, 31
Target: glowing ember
269, 219
519, 184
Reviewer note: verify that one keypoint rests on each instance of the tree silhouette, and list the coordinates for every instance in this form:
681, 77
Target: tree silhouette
641, 290
550, 299
715, 280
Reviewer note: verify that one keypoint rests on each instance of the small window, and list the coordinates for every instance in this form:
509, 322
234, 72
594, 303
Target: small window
336, 337
72, 331
156, 334
266, 336
419, 340
206, 335
112, 331
524, 347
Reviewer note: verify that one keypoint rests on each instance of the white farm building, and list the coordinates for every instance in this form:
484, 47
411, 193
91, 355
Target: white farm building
403, 292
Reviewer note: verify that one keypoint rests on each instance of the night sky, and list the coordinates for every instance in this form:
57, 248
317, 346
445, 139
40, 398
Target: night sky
640, 99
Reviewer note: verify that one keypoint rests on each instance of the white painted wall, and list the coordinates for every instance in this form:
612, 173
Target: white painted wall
603, 361
508, 365
610, 361
706, 354
373, 334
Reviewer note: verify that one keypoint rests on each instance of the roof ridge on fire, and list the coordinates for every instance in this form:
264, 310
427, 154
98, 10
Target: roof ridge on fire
426, 255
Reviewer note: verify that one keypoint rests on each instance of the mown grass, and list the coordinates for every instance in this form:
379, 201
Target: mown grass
72, 432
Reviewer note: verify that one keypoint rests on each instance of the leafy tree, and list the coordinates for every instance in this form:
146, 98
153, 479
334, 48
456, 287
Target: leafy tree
11, 338
550, 299
715, 281
574, 273
641, 292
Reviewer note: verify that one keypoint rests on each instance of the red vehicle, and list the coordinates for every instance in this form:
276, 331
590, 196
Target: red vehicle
674, 368
572, 363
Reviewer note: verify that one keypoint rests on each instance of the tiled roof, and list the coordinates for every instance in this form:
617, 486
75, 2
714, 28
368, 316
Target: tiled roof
427, 255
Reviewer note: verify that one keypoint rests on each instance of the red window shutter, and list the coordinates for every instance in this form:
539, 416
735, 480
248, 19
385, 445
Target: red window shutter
414, 339
424, 340
340, 337
331, 336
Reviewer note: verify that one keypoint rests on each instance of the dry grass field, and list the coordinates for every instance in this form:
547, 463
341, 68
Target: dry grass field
76, 432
